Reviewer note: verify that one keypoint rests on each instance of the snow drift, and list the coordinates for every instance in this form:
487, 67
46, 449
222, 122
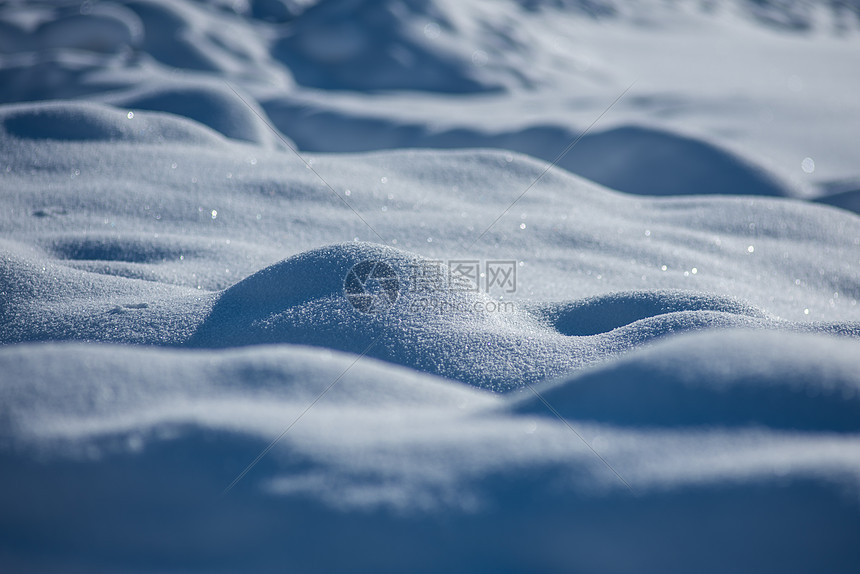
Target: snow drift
252, 318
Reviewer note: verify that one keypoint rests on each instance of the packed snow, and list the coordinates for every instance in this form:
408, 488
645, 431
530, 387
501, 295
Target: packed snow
426, 286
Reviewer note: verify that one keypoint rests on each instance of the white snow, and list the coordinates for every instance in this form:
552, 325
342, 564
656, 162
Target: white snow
226, 348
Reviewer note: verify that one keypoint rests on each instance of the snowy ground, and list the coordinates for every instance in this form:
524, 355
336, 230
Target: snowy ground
426, 286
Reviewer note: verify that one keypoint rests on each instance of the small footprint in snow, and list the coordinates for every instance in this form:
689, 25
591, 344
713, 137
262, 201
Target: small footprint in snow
126, 306
50, 212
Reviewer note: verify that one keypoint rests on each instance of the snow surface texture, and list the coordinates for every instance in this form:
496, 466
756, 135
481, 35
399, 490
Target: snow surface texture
672, 384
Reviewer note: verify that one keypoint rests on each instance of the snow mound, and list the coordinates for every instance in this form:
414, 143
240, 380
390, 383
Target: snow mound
75, 384
372, 45
718, 379
633, 159
54, 75
76, 121
104, 27
420, 317
648, 161
607, 312
216, 106
192, 36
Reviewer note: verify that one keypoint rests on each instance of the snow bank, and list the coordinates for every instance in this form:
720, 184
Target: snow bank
404, 462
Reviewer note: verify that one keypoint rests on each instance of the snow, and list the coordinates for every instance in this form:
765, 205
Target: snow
234, 333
